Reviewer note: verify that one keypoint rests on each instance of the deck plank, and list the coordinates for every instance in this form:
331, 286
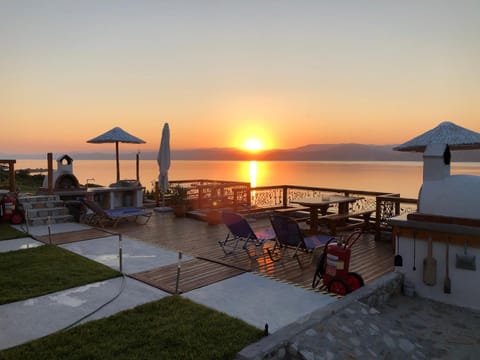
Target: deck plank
369, 258
72, 236
193, 274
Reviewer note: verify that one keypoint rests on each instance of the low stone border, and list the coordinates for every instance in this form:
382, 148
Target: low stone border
279, 346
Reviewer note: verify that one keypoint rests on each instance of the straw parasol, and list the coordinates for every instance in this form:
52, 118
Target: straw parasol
456, 137
116, 135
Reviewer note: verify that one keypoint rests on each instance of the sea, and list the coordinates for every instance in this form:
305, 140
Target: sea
404, 177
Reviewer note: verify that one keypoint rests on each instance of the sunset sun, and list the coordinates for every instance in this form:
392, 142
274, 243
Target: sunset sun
253, 144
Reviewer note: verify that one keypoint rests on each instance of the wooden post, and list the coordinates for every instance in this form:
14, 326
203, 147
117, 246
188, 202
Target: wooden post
50, 173
285, 196
11, 175
157, 194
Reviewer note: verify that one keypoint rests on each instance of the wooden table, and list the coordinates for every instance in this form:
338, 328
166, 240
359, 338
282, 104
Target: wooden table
322, 203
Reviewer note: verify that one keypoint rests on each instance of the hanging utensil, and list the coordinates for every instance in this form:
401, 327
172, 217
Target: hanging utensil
465, 261
398, 258
447, 289
429, 266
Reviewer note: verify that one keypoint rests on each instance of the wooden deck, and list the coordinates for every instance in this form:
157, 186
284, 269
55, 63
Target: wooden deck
192, 237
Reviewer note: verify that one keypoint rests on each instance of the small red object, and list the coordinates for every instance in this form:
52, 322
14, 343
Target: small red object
9, 203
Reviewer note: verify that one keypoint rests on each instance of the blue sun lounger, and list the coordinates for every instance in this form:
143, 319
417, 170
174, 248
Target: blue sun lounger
112, 217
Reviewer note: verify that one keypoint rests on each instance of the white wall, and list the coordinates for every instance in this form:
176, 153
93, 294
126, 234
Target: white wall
465, 284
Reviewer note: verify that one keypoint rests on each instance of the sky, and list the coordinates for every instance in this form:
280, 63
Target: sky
221, 73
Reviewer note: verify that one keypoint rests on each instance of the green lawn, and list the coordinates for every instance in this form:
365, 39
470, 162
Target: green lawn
171, 328
45, 269
7, 232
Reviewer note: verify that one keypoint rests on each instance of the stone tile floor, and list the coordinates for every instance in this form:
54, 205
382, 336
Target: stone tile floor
402, 328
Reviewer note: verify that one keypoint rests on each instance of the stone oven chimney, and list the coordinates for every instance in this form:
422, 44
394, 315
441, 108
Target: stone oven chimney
445, 194
436, 162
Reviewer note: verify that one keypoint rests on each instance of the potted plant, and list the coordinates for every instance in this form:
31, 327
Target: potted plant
179, 200
214, 215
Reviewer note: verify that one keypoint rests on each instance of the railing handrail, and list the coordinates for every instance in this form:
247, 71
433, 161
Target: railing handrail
316, 188
207, 181
397, 198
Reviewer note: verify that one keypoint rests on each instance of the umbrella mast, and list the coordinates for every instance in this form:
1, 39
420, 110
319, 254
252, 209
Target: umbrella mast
118, 161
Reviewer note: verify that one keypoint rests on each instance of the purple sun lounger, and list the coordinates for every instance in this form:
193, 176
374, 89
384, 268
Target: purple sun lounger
241, 234
289, 236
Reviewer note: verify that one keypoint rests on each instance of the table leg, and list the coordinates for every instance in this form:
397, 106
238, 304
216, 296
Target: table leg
343, 208
314, 220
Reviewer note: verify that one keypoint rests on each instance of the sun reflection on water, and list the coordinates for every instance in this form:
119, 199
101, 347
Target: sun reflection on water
253, 173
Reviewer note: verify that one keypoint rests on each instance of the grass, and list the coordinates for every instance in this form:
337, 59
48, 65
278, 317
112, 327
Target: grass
171, 328
45, 269
7, 232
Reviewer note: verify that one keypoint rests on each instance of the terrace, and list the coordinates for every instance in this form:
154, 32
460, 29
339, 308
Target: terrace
372, 256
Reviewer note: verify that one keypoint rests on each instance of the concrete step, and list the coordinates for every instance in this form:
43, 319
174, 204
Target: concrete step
47, 211
57, 219
43, 205
37, 198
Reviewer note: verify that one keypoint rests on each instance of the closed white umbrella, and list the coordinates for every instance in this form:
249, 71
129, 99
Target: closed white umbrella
163, 159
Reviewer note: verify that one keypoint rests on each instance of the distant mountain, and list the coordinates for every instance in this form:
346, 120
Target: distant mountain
312, 152
342, 152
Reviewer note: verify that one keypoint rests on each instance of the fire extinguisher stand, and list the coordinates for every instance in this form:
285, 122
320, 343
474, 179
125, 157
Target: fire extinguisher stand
333, 266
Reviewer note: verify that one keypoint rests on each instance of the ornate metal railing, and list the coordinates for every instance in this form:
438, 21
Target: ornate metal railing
388, 206
271, 197
204, 194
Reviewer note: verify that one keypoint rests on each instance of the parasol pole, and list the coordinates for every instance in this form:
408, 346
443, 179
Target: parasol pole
137, 166
118, 162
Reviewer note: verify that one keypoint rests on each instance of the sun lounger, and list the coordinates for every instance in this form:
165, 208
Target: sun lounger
240, 233
289, 237
101, 217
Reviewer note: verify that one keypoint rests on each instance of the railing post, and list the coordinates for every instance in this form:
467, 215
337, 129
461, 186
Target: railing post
50, 173
397, 207
235, 195
200, 196
157, 194
378, 217
249, 196
285, 196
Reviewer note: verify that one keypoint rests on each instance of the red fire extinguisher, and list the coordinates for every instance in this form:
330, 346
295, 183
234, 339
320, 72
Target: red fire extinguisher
338, 261
9, 203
